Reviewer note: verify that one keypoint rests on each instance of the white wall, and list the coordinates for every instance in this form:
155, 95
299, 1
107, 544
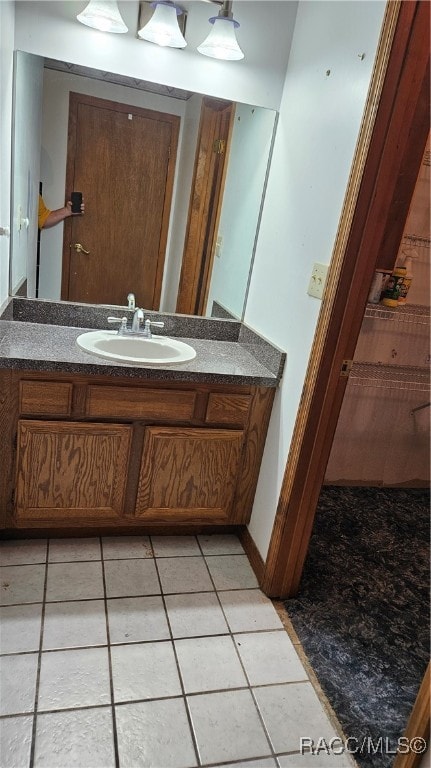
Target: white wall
319, 122
50, 29
7, 23
56, 89
26, 172
245, 178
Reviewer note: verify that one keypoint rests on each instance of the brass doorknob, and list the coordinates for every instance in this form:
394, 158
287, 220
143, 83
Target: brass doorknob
80, 249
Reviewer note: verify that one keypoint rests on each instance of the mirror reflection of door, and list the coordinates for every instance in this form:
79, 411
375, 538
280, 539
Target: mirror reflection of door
206, 198
122, 158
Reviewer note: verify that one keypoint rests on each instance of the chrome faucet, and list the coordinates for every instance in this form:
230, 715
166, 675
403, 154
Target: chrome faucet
138, 317
136, 329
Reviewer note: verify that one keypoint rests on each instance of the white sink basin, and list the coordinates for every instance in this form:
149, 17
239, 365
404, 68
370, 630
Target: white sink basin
135, 349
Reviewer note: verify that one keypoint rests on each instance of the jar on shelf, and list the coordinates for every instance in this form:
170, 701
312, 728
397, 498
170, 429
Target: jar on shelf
393, 287
381, 277
410, 255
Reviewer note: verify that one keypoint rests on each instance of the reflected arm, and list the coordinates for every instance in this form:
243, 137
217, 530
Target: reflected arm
54, 217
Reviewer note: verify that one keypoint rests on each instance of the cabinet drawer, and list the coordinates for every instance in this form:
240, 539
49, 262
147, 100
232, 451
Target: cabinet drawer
227, 409
45, 398
133, 403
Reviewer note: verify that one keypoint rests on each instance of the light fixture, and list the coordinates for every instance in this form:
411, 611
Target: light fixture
163, 28
103, 15
221, 42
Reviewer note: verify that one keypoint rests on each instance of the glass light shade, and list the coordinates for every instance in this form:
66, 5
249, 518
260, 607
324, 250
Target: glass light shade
163, 28
103, 15
221, 42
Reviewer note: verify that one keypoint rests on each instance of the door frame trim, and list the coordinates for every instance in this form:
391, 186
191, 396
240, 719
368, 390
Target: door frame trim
205, 204
385, 166
418, 725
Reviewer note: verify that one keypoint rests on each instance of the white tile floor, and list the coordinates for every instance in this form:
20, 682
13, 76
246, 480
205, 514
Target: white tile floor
147, 651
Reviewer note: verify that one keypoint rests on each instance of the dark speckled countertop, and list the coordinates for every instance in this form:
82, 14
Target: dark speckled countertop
41, 336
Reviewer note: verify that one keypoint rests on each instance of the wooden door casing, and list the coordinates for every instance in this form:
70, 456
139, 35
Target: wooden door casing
71, 470
206, 198
189, 473
122, 158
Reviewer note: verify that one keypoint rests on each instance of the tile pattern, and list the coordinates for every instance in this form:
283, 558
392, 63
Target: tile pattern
150, 651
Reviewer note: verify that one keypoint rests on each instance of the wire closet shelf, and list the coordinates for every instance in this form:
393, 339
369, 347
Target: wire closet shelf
408, 313
401, 377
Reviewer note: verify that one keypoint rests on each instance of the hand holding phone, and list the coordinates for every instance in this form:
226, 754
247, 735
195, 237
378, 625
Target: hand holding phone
76, 200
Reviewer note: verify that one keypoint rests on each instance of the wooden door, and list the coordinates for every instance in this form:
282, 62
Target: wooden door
206, 198
71, 471
122, 159
189, 474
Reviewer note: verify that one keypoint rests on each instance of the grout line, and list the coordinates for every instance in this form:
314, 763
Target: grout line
111, 680
120, 597
226, 633
224, 554
63, 648
60, 710
128, 702
39, 660
184, 697
153, 556
244, 687
16, 714
18, 565
242, 665
20, 653
249, 761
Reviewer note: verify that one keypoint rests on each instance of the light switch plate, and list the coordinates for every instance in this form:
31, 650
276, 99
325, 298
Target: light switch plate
318, 280
218, 247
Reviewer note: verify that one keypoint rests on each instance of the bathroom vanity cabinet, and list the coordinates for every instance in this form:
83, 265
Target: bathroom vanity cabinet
86, 452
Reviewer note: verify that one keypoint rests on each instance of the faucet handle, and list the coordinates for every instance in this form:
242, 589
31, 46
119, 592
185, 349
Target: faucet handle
121, 320
148, 323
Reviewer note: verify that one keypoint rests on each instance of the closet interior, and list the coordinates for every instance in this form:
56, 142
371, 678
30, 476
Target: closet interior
382, 435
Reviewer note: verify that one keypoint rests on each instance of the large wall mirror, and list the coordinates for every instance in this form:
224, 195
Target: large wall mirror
204, 218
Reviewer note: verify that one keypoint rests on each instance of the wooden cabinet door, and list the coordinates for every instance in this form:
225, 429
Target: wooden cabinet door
70, 472
188, 474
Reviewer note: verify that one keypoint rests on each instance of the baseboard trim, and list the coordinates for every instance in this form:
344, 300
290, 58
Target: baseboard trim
148, 529
253, 554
